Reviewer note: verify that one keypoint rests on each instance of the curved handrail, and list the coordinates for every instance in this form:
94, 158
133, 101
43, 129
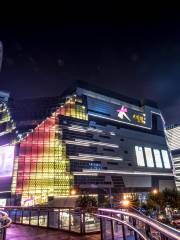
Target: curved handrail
173, 229
5, 219
123, 222
152, 223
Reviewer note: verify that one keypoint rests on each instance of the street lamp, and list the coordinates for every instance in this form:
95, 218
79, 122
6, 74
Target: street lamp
124, 197
125, 203
154, 191
73, 192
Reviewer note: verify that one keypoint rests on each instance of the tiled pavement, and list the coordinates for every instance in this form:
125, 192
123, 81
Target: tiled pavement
19, 232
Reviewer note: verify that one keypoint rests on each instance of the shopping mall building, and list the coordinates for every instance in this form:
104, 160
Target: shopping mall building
173, 134
89, 140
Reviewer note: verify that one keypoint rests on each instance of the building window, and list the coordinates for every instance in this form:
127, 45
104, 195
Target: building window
149, 157
112, 163
139, 156
104, 136
165, 159
108, 149
157, 157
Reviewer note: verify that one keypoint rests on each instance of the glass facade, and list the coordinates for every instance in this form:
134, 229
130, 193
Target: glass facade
7, 136
149, 157
6, 124
42, 167
61, 219
157, 157
173, 135
139, 156
78, 141
165, 159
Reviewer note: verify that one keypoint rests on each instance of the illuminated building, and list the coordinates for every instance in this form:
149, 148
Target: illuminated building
173, 135
7, 125
90, 140
7, 136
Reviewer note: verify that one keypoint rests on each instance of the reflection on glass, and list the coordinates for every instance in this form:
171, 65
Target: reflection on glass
165, 159
34, 218
157, 157
43, 219
149, 157
64, 220
139, 156
92, 224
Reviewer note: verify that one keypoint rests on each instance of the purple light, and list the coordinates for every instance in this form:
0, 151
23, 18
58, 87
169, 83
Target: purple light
122, 110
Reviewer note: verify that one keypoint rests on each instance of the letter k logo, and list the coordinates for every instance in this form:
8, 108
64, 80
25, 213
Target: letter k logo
122, 113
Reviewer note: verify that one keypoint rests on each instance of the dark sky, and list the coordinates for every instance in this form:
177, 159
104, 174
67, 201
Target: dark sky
135, 54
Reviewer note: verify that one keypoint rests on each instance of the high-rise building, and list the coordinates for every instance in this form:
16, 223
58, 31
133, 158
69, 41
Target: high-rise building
91, 140
7, 136
173, 135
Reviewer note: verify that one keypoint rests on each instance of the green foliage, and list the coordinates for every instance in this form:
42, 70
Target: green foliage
86, 202
171, 198
135, 202
168, 197
105, 203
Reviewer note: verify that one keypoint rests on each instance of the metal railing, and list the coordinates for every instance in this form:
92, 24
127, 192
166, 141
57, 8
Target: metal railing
66, 219
123, 224
5, 222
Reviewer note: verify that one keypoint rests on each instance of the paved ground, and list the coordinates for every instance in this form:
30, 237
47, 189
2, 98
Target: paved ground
19, 232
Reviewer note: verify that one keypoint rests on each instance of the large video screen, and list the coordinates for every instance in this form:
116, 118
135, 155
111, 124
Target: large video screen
6, 160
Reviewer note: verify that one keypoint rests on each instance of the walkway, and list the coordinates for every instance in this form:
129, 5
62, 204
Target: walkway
19, 232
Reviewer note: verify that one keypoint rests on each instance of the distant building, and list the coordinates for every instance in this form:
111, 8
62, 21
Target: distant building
91, 140
7, 147
173, 134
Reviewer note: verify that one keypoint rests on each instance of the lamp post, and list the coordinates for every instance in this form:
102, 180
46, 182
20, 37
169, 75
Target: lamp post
155, 191
73, 192
110, 197
125, 203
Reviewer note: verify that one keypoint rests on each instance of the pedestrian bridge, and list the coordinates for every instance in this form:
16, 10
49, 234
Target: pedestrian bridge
114, 224
123, 224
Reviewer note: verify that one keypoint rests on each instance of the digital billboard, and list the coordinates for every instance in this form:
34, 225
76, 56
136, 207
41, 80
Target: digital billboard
6, 161
122, 113
131, 116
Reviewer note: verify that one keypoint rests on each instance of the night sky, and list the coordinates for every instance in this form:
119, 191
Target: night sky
137, 55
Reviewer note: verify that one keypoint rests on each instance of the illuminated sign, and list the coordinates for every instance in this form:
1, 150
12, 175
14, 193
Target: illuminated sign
140, 118
6, 160
131, 116
122, 113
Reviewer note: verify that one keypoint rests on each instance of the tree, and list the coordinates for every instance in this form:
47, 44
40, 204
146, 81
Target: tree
171, 197
168, 197
86, 202
155, 201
